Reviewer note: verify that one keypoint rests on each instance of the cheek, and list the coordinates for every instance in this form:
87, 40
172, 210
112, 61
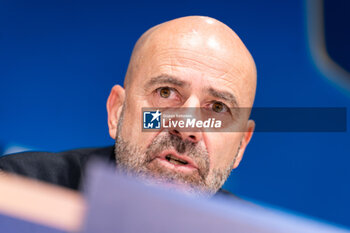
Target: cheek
132, 128
222, 148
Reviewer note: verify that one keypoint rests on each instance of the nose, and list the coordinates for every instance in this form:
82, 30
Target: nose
190, 107
189, 136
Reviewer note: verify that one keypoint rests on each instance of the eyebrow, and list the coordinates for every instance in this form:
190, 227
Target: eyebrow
166, 79
224, 95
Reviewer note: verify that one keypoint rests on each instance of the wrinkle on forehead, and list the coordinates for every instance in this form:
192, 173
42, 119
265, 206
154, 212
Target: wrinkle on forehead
197, 39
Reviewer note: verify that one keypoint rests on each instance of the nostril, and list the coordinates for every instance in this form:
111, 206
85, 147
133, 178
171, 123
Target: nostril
192, 137
176, 132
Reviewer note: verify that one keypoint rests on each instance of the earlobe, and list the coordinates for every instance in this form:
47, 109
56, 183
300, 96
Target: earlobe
244, 142
115, 104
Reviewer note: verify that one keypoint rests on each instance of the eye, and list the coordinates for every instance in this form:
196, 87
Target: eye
164, 92
219, 107
166, 96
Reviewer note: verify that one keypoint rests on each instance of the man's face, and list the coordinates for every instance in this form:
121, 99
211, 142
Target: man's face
180, 73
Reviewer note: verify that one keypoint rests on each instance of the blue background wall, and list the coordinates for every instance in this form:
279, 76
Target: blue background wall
59, 60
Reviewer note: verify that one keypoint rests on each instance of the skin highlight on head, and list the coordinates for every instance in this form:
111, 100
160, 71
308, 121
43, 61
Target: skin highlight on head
203, 61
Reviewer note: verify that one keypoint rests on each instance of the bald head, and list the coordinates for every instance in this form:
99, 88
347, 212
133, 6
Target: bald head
193, 63
206, 42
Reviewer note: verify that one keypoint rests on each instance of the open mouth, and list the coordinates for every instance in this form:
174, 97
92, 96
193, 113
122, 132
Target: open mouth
172, 160
175, 160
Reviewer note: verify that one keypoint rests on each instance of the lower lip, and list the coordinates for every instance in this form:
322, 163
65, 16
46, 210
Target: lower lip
180, 168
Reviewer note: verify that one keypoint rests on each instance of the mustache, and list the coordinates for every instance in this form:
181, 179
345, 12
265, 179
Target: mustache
193, 150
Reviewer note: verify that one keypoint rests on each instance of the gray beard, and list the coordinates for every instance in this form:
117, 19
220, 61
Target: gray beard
131, 160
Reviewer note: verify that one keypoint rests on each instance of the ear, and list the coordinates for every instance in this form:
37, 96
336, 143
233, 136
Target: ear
114, 107
245, 140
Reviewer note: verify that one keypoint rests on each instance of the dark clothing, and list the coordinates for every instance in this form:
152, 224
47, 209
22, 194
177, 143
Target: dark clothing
64, 168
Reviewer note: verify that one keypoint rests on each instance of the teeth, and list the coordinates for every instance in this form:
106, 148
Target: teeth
175, 161
172, 161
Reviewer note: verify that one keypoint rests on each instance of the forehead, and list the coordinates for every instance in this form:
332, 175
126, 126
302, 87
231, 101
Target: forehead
195, 70
202, 51
200, 59
198, 70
